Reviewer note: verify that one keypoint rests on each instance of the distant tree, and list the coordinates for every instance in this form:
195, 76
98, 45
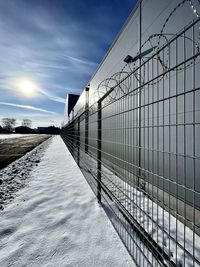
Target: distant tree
27, 123
1, 129
8, 124
24, 130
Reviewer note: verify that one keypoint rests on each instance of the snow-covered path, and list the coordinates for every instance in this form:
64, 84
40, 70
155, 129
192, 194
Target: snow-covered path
56, 220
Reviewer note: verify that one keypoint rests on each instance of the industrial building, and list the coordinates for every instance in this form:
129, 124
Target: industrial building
135, 133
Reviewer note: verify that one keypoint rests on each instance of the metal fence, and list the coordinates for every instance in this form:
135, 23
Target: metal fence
138, 147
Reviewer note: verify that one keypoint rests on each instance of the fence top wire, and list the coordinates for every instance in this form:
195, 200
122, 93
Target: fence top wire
144, 62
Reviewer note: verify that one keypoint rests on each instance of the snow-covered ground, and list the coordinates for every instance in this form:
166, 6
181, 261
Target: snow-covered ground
56, 221
8, 136
177, 240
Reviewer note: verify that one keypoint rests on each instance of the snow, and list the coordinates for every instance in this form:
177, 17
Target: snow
9, 136
153, 218
56, 220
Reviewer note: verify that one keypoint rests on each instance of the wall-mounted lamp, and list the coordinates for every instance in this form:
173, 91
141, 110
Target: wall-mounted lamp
129, 59
87, 87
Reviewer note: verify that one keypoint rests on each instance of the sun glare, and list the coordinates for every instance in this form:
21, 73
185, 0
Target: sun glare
27, 88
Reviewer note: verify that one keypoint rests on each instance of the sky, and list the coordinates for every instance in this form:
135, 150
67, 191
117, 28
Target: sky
49, 48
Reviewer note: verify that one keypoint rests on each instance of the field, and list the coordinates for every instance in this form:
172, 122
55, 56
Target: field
13, 147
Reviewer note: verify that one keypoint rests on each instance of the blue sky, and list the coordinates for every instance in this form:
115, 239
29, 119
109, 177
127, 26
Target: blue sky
56, 45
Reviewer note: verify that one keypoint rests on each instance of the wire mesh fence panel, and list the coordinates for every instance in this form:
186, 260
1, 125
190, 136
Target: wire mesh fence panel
138, 147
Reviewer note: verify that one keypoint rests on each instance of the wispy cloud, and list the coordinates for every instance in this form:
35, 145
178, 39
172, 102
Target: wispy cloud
54, 43
27, 107
80, 61
53, 97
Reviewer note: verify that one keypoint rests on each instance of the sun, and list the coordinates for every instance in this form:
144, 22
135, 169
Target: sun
27, 88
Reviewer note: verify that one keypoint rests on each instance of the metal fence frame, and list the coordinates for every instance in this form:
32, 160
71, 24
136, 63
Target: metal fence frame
116, 143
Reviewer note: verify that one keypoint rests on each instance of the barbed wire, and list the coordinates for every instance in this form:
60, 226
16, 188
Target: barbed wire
155, 42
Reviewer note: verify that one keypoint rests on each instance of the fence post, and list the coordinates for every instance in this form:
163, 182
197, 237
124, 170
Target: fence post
139, 96
78, 142
99, 146
86, 117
